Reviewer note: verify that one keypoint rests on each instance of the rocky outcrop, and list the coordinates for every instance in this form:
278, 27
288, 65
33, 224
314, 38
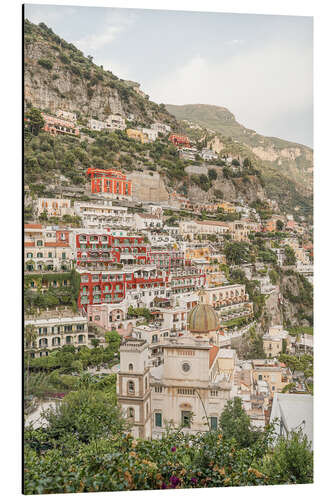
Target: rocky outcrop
148, 187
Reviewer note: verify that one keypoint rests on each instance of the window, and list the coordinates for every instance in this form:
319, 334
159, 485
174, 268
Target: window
214, 393
63, 255
158, 419
29, 255
39, 255
185, 391
39, 243
186, 367
131, 386
131, 412
186, 419
260, 377
146, 383
213, 423
130, 367
158, 388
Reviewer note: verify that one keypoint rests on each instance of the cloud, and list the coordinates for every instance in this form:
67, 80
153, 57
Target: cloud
255, 85
47, 14
97, 41
235, 42
114, 25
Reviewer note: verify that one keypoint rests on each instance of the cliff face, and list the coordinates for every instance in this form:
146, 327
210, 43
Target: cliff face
59, 76
249, 189
286, 167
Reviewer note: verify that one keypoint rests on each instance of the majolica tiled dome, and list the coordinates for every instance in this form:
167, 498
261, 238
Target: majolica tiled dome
203, 319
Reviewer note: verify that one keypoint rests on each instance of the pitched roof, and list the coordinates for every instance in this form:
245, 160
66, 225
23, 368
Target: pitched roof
212, 354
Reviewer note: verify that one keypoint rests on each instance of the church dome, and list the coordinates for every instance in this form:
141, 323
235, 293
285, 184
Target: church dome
203, 319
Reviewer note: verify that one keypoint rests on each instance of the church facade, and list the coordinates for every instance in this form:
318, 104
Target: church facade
189, 389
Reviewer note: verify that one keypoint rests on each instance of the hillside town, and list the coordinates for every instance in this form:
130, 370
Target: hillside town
128, 258
157, 266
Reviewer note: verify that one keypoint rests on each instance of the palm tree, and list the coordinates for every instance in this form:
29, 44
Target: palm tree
30, 336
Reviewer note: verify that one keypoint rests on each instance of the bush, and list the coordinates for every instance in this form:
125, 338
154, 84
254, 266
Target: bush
45, 63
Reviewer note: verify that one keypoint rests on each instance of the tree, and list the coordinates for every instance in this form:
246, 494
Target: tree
35, 121
212, 174
235, 424
279, 225
113, 339
290, 258
86, 413
291, 460
237, 252
95, 342
30, 336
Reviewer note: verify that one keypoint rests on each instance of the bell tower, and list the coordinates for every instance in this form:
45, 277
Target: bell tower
133, 386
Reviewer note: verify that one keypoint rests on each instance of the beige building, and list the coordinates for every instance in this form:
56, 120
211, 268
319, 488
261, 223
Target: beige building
54, 207
55, 329
275, 341
188, 388
195, 228
274, 373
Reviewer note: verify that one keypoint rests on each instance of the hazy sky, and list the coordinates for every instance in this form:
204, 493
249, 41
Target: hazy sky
259, 67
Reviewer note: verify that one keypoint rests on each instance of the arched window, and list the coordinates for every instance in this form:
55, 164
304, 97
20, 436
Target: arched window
131, 386
130, 367
260, 377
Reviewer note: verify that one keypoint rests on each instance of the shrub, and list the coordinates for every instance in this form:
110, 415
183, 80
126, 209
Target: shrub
45, 63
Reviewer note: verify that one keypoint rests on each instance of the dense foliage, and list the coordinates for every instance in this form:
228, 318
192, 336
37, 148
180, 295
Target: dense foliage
83, 450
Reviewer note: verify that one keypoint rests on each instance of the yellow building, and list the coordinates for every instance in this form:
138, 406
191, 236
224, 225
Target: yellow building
274, 373
197, 253
137, 135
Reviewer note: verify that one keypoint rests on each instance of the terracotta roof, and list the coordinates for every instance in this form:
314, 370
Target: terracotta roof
212, 223
148, 216
56, 244
33, 226
212, 354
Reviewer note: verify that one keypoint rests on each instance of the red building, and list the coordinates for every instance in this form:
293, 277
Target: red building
180, 140
168, 260
109, 181
106, 251
98, 287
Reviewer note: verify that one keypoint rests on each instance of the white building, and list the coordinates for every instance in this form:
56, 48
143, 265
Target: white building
55, 329
96, 124
208, 154
147, 221
66, 115
150, 133
161, 128
103, 213
115, 122
293, 412
188, 153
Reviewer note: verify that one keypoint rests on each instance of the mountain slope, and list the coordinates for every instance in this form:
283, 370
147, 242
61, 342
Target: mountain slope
58, 75
278, 159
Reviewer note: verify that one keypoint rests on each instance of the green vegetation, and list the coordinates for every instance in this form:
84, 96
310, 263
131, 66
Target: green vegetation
296, 330
56, 294
290, 258
86, 447
237, 252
